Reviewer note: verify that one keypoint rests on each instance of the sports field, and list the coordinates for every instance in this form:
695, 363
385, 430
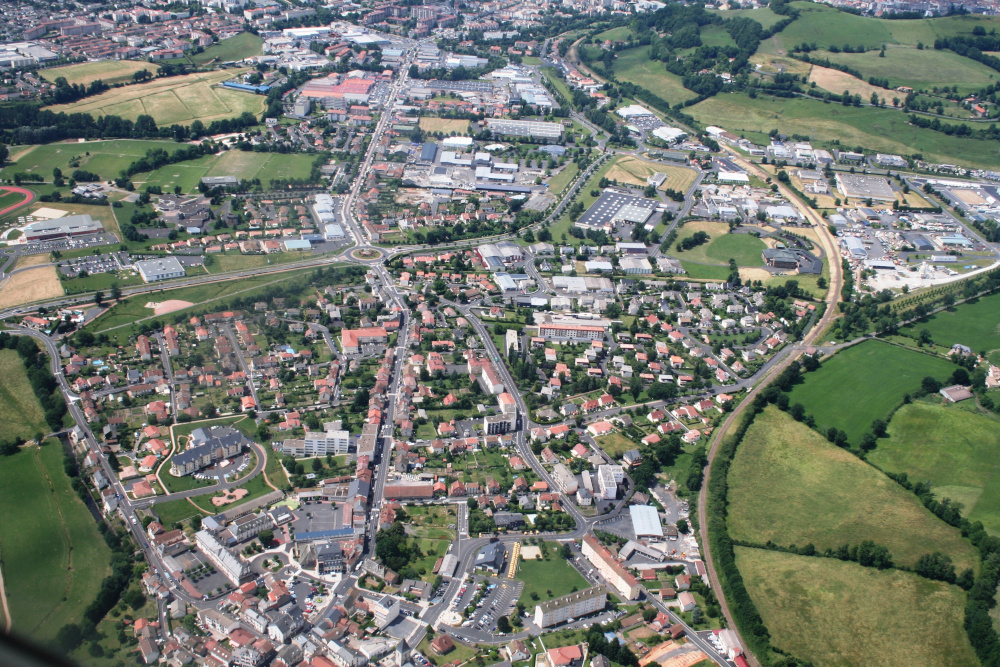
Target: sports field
635, 66
53, 556
176, 99
744, 248
954, 449
104, 158
554, 575
878, 375
21, 414
976, 325
108, 71
245, 165
239, 47
635, 171
918, 68
885, 130
444, 125
835, 613
788, 485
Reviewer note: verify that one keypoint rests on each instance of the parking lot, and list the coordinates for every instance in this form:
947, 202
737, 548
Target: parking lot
90, 241
500, 599
103, 263
232, 466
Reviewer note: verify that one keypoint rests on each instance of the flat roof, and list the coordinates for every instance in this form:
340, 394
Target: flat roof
612, 206
571, 598
645, 521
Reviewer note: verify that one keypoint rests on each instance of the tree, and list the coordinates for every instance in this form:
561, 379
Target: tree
503, 625
317, 465
266, 537
69, 637
682, 526
98, 297
930, 385
868, 442
116, 291
879, 428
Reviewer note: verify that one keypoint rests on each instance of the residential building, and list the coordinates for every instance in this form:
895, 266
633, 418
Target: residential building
613, 572
575, 605
230, 565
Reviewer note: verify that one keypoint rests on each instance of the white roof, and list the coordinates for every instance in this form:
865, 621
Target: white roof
669, 133
645, 521
733, 177
633, 110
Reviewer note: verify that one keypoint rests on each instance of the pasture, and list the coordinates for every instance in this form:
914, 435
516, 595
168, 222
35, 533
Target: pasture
108, 71
21, 414
53, 556
954, 449
976, 325
837, 613
104, 158
878, 375
241, 46
884, 130
837, 82
177, 99
446, 126
635, 66
763, 15
917, 68
788, 485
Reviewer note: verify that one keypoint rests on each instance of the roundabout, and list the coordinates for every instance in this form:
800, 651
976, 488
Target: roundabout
367, 254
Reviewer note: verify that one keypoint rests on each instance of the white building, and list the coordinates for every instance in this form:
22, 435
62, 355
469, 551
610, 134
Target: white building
234, 568
318, 443
608, 479
385, 609
621, 579
575, 605
646, 522
162, 268
564, 478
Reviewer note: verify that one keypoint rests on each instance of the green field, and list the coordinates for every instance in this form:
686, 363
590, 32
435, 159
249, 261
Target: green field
954, 449
104, 158
241, 46
245, 165
621, 33
108, 71
763, 16
921, 69
635, 66
615, 444
836, 613
972, 324
176, 99
559, 182
883, 130
723, 246
21, 414
697, 271
554, 575
788, 485
175, 511
53, 556
863, 383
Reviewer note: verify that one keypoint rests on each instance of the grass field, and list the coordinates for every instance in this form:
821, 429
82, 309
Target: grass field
53, 556
560, 181
878, 375
837, 82
697, 271
788, 485
835, 613
974, 324
542, 576
108, 71
21, 414
239, 47
175, 511
28, 286
884, 130
635, 66
954, 449
558, 83
621, 33
176, 99
615, 444
635, 171
744, 248
245, 165
444, 125
105, 158
763, 16
921, 69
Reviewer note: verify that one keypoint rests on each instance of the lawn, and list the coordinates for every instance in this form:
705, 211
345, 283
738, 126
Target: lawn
697, 271
884, 130
108, 71
256, 488
245, 165
239, 47
831, 612
746, 249
53, 556
877, 374
788, 485
461, 653
971, 324
431, 521
446, 126
635, 66
21, 415
105, 158
954, 449
615, 444
548, 578
560, 181
176, 511
176, 99
918, 68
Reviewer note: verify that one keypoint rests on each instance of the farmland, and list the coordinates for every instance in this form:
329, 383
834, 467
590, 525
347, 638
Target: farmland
918, 68
884, 130
972, 324
635, 66
27, 286
635, 171
954, 449
245, 165
878, 375
788, 485
53, 557
108, 71
831, 612
445, 126
176, 99
104, 158
21, 414
837, 82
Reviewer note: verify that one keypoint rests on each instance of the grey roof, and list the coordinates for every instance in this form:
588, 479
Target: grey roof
490, 555
572, 598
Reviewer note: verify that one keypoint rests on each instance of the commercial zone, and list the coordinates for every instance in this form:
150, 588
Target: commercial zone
72, 225
860, 186
524, 128
613, 207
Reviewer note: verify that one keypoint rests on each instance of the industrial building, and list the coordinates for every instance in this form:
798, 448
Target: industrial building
525, 128
779, 258
646, 522
162, 268
428, 152
855, 247
575, 605
214, 181
614, 207
71, 225
861, 186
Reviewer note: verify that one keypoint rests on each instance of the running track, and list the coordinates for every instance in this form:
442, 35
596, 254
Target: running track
29, 197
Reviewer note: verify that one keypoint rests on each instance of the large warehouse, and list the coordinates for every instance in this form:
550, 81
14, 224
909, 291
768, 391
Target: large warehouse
71, 225
524, 128
646, 522
860, 186
613, 207
162, 268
